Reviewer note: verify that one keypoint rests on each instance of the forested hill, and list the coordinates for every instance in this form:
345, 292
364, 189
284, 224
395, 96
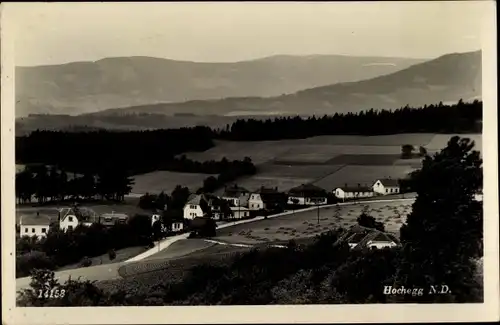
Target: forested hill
440, 118
144, 151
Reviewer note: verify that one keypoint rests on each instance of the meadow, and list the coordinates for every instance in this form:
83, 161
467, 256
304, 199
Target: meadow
326, 161
305, 224
166, 181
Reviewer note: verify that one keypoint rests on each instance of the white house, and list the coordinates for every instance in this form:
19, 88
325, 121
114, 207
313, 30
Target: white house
37, 225
351, 192
177, 226
381, 240
70, 218
192, 208
361, 237
255, 202
154, 218
68, 222
240, 212
237, 196
386, 186
265, 198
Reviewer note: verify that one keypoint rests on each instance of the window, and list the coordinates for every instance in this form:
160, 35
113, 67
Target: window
70, 228
44, 230
25, 230
32, 230
386, 190
70, 219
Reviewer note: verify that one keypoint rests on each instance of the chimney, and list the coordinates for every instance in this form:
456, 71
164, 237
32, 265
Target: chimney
345, 184
359, 185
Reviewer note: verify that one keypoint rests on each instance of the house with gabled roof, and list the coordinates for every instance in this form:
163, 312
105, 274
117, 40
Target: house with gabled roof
353, 192
307, 194
34, 225
237, 196
70, 218
359, 237
385, 186
266, 198
113, 218
196, 203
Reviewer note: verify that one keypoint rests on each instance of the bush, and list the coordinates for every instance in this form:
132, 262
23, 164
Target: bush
28, 262
111, 254
86, 262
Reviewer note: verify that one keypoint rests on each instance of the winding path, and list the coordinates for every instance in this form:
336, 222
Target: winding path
110, 271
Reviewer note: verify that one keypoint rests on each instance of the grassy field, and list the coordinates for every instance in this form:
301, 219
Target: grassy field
156, 182
416, 139
121, 256
305, 224
180, 248
327, 161
440, 141
174, 262
141, 278
260, 152
363, 175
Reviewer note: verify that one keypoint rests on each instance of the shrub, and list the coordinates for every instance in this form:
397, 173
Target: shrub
28, 262
86, 262
111, 254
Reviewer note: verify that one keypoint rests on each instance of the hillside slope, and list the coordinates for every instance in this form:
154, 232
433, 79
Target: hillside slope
83, 87
447, 78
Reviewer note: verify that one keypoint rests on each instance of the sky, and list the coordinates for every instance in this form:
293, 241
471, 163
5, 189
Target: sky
55, 33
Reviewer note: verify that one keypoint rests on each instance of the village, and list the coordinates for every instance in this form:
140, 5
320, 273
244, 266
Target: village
201, 210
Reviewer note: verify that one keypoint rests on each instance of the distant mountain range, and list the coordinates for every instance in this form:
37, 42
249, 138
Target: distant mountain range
86, 87
445, 79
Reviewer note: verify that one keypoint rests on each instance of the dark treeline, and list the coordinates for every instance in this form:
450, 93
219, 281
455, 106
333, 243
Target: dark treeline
229, 172
185, 165
136, 152
459, 118
50, 184
140, 152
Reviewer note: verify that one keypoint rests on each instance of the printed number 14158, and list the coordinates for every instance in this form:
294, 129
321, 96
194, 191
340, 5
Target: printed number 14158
52, 293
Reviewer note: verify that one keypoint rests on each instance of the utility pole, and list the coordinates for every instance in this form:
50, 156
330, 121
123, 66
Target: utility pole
318, 213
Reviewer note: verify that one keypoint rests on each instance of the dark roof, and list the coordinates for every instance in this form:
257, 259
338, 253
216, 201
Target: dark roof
356, 238
307, 190
362, 235
234, 191
34, 220
267, 190
354, 189
82, 213
389, 182
194, 199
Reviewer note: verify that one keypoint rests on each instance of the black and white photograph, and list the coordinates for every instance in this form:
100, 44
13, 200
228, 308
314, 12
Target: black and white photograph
334, 157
